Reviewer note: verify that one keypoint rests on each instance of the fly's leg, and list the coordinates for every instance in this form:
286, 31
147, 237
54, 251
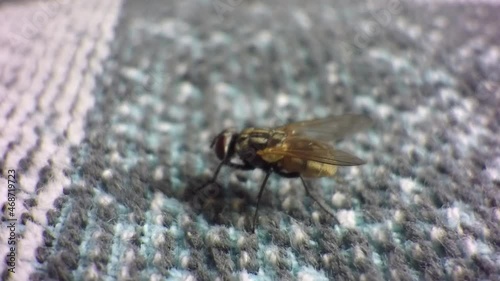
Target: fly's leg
204, 199
323, 206
244, 166
211, 181
309, 193
212, 193
258, 200
288, 175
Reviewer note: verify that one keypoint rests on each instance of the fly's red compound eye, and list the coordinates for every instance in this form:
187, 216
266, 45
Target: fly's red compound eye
220, 147
223, 144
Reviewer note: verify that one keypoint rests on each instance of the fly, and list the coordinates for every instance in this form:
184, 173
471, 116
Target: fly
296, 150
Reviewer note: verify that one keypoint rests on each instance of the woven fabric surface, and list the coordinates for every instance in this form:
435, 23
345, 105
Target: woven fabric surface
107, 110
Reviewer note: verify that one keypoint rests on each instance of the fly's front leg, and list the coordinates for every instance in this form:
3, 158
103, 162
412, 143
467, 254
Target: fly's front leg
214, 177
244, 166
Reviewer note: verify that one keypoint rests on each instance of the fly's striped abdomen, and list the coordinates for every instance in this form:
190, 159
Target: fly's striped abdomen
307, 168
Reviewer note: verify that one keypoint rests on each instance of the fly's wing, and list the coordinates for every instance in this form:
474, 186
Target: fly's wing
328, 129
311, 150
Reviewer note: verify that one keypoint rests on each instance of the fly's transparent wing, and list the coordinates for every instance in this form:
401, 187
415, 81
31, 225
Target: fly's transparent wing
311, 150
328, 129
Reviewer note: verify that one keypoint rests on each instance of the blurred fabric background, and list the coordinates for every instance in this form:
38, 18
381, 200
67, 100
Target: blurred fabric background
107, 110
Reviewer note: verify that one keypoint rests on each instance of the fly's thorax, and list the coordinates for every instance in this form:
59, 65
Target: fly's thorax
258, 139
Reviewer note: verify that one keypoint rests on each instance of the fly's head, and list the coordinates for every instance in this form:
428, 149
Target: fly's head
223, 144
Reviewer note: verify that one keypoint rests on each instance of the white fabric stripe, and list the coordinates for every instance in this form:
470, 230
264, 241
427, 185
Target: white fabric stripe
41, 59
452, 2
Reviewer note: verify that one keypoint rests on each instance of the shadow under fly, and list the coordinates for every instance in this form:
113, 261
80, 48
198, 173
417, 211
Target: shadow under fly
296, 150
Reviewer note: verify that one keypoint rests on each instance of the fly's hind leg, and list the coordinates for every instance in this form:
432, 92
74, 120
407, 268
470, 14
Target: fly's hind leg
310, 194
320, 203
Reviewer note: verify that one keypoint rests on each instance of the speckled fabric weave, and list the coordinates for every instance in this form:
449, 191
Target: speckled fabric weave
107, 110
